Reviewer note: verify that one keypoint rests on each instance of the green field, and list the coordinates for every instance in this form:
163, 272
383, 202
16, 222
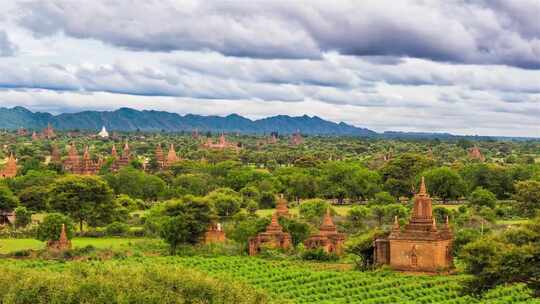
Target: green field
12, 245
302, 282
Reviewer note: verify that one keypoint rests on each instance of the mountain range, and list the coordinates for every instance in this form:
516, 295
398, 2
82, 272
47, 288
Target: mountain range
126, 119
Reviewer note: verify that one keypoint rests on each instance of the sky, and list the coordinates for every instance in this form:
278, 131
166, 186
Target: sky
464, 67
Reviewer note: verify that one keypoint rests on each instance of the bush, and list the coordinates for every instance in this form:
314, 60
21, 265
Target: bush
117, 229
116, 283
482, 198
319, 255
22, 217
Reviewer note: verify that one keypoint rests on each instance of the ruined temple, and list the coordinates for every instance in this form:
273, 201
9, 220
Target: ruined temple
160, 158
63, 243
296, 138
10, 168
221, 144
214, 234
273, 237
122, 161
328, 238
171, 157
74, 164
56, 157
420, 245
476, 154
48, 132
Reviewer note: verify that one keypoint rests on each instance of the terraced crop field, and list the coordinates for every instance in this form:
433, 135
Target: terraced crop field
303, 284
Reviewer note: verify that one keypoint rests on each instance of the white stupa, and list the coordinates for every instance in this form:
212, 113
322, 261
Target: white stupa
103, 133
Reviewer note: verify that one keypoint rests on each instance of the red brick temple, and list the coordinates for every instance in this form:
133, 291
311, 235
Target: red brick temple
10, 168
297, 139
74, 164
160, 158
273, 237
476, 154
328, 238
171, 157
63, 243
48, 132
56, 157
221, 144
214, 234
124, 160
421, 246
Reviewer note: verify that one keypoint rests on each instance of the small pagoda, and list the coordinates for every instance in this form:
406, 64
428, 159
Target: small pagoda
171, 157
328, 238
476, 154
421, 246
296, 138
273, 237
48, 132
62, 244
214, 234
10, 169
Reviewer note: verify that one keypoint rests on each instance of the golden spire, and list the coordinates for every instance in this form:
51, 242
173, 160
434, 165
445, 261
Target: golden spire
63, 234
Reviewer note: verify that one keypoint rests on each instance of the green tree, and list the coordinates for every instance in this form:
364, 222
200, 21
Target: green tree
444, 183
399, 173
225, 201
175, 230
82, 197
35, 198
313, 209
482, 197
528, 196
22, 217
8, 200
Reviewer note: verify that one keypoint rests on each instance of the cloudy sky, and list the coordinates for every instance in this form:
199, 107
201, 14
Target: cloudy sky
466, 67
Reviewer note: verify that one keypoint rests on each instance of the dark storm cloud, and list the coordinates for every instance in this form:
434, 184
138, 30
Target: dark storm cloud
480, 32
7, 48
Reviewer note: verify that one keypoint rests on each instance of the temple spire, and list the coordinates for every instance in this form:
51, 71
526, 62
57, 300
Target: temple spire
423, 191
396, 223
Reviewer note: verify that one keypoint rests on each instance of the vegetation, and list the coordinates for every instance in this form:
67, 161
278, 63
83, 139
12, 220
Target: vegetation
366, 183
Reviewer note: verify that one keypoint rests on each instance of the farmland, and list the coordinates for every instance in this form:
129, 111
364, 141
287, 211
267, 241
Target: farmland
288, 282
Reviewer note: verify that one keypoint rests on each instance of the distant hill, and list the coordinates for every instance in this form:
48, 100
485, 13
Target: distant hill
126, 119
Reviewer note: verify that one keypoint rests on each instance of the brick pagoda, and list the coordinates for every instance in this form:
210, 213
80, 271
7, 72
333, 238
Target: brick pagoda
476, 154
214, 234
222, 144
421, 246
297, 139
328, 238
273, 237
74, 164
10, 169
63, 243
171, 157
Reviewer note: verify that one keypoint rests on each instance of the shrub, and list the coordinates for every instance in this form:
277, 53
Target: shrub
22, 217
117, 229
319, 255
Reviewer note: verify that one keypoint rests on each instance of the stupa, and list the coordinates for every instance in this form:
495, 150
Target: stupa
328, 238
273, 237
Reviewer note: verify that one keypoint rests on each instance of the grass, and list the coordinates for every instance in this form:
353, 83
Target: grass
11, 245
